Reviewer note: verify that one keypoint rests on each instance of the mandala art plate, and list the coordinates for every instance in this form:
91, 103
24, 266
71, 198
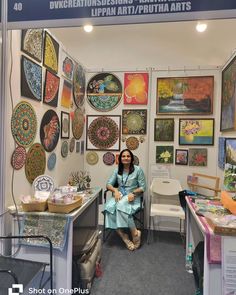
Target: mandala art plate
79, 85
51, 50
51, 89
64, 149
78, 123
18, 158
43, 183
92, 158
132, 143
72, 145
134, 121
32, 43
109, 158
52, 161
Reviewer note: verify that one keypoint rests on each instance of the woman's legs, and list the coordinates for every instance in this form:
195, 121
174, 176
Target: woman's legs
129, 244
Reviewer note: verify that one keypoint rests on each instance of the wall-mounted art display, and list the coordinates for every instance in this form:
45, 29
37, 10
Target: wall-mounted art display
221, 152
72, 145
134, 121
185, 95
64, 149
197, 157
228, 97
32, 43
181, 157
35, 162
92, 158
49, 130
52, 159
165, 154
77, 147
109, 158
18, 158
132, 143
164, 129
79, 85
230, 177
196, 131
51, 50
82, 148
51, 88
136, 88
136, 160
78, 121
31, 79
65, 125
103, 133
67, 66
66, 94
230, 151
24, 124
104, 92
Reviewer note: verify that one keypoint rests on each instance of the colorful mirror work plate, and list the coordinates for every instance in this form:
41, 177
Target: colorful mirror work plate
52, 161
132, 143
49, 130
72, 145
79, 85
32, 43
92, 158
109, 158
51, 89
51, 49
31, 79
35, 162
104, 92
78, 123
24, 124
18, 158
43, 183
64, 149
134, 121
136, 160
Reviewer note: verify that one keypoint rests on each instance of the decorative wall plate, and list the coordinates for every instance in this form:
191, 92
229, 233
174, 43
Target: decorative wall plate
52, 161
132, 143
49, 130
79, 85
72, 145
43, 183
32, 43
92, 158
31, 79
136, 160
104, 92
64, 149
35, 162
109, 158
67, 66
24, 124
18, 158
51, 49
51, 89
78, 123
134, 121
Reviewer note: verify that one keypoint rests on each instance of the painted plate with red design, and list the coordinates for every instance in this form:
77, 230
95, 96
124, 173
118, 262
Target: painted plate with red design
18, 158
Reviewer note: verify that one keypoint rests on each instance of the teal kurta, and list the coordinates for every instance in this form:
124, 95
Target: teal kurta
119, 214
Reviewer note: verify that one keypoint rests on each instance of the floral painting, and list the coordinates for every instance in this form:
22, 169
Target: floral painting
181, 157
165, 154
164, 129
230, 177
136, 88
196, 132
230, 151
197, 157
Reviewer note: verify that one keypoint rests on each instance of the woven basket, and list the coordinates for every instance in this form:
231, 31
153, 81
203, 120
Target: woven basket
35, 206
65, 208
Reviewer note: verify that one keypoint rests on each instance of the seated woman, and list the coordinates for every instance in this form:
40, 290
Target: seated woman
127, 183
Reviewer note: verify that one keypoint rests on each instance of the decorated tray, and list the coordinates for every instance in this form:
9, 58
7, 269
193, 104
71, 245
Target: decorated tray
43, 183
18, 158
132, 143
51, 161
92, 158
109, 158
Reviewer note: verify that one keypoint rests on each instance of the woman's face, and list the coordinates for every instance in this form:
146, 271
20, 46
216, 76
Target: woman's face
126, 158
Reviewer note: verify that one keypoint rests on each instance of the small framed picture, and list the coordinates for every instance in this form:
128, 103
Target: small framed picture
65, 125
164, 129
181, 157
198, 157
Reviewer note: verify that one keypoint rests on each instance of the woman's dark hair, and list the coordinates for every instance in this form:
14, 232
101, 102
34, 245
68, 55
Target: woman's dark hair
120, 164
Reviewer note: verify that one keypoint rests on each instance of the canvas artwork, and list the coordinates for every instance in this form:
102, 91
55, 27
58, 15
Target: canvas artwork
51, 51
164, 129
79, 85
228, 97
198, 157
66, 94
165, 154
230, 151
221, 152
32, 43
65, 125
196, 131
230, 177
136, 88
51, 88
185, 95
67, 65
134, 121
181, 157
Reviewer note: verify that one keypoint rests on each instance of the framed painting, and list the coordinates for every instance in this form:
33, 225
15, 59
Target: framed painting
134, 122
230, 151
164, 129
66, 95
65, 125
51, 89
136, 88
230, 177
165, 154
185, 95
181, 157
221, 152
228, 104
196, 131
197, 157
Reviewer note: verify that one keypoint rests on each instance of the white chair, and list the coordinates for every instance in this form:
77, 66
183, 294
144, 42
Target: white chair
163, 191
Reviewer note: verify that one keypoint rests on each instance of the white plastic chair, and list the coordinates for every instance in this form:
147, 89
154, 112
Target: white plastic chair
162, 189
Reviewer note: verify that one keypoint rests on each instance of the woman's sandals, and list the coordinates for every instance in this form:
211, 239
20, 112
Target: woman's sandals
129, 244
137, 240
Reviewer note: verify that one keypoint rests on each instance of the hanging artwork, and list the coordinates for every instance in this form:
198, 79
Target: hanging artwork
79, 85
103, 133
51, 50
31, 79
196, 131
78, 123
230, 151
134, 121
109, 158
230, 177
228, 97
67, 66
72, 144
181, 157
92, 158
35, 162
164, 129
104, 92
132, 143
221, 152
164, 154
197, 157
185, 95
51, 88
49, 130
82, 148
64, 149
66, 94
77, 147
136, 88
18, 158
136, 160
65, 125
32, 43
24, 124
52, 161
43, 183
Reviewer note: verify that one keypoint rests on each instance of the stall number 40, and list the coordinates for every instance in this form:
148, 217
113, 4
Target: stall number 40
18, 6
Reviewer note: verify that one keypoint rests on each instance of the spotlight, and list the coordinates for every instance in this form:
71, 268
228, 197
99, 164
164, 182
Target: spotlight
201, 27
88, 28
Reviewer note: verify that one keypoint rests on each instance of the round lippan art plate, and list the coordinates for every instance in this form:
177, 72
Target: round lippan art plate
64, 149
32, 43
72, 145
132, 143
92, 158
109, 158
43, 183
79, 85
52, 161
78, 124
18, 158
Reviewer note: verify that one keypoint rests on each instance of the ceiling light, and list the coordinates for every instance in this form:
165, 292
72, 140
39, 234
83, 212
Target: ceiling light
201, 27
88, 28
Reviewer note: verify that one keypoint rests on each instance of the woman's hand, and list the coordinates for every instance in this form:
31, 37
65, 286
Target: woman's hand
131, 197
117, 195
